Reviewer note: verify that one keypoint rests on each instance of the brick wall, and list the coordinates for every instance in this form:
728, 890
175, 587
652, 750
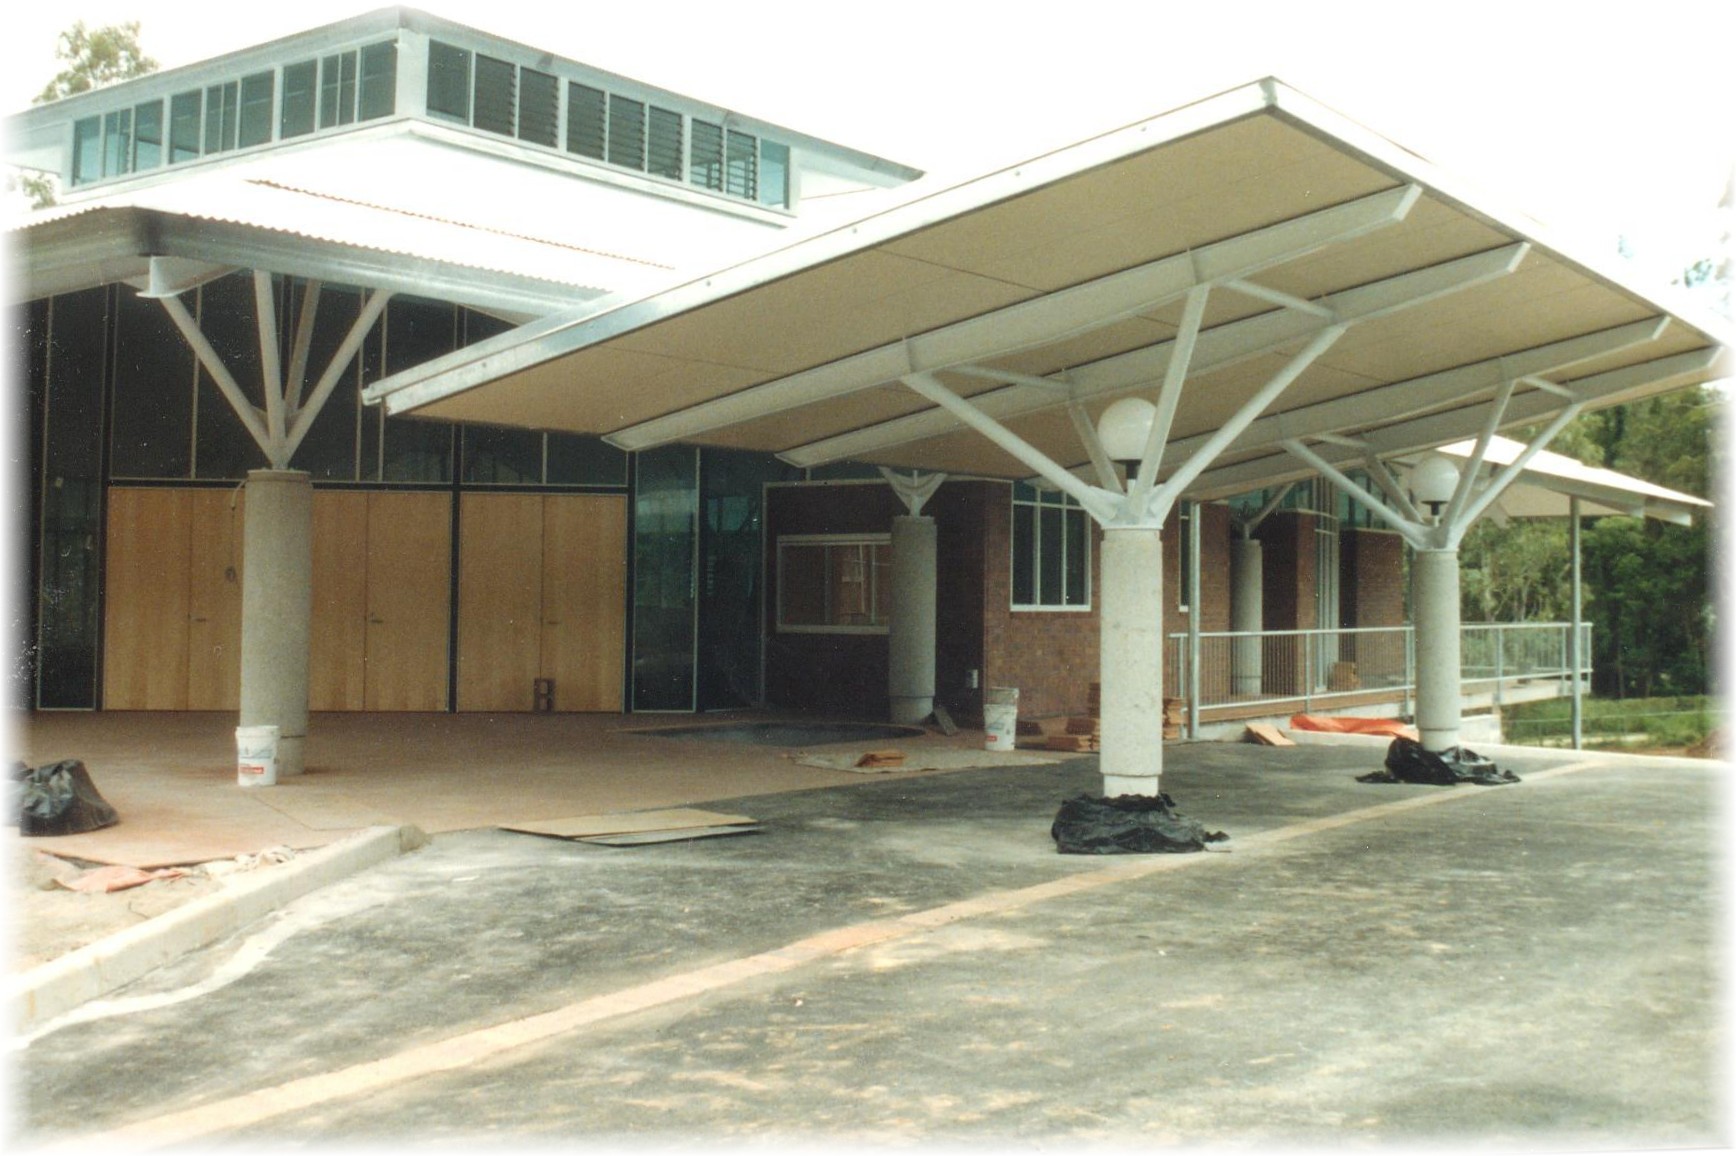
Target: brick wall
1371, 577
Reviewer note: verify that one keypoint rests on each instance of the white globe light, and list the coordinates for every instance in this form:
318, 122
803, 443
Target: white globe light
1433, 481
1124, 426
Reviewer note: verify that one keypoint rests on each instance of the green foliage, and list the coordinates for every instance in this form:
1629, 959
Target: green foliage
1648, 585
95, 57
1675, 721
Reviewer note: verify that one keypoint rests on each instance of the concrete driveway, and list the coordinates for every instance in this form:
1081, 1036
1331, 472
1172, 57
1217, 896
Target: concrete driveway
893, 961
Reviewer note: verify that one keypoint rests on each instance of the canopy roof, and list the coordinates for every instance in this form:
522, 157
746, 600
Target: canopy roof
1549, 480
1043, 291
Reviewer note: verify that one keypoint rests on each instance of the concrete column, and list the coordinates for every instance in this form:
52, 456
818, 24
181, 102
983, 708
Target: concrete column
1247, 614
1131, 662
277, 608
910, 638
1435, 602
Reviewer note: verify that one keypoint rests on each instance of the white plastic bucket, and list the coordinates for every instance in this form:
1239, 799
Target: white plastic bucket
256, 756
1000, 718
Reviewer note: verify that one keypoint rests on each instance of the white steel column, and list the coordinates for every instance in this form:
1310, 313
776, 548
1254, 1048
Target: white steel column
1435, 610
1131, 660
910, 637
1247, 614
277, 608
910, 634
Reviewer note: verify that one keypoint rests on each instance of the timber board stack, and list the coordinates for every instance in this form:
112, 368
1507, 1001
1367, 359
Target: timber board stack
1085, 732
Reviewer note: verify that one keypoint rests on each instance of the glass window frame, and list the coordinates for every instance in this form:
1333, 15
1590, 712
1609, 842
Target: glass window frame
835, 547
1072, 525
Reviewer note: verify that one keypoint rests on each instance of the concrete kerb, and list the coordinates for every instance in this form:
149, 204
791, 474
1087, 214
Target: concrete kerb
57, 987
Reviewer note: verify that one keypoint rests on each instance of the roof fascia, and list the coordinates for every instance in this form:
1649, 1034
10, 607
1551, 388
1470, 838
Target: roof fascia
1311, 115
917, 209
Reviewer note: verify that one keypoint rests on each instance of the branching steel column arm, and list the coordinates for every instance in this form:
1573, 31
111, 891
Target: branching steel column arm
346, 352
303, 346
1510, 471
1093, 447
1207, 453
915, 490
226, 383
1413, 531
1104, 507
1391, 487
1247, 526
270, 356
1468, 471
1174, 378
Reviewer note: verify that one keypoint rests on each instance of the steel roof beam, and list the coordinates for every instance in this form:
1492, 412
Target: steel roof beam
1037, 321
1424, 433
1216, 348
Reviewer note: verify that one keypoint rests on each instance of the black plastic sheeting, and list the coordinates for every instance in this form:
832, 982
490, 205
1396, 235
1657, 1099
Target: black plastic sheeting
59, 799
1127, 825
1408, 762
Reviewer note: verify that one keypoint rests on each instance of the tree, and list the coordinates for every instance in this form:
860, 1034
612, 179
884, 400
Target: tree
96, 57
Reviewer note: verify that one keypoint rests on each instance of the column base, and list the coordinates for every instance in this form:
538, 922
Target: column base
911, 710
1114, 786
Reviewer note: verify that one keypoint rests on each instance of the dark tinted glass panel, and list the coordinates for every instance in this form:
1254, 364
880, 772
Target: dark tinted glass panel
496, 95
256, 92
222, 114
774, 175
1049, 544
665, 506
741, 175
576, 460
663, 147
117, 149
223, 448
337, 89
328, 452
417, 451
153, 394
538, 107
87, 150
1024, 554
300, 98
184, 122
69, 562
379, 82
1078, 558
626, 132
502, 457
732, 561
706, 165
585, 120
448, 81
148, 135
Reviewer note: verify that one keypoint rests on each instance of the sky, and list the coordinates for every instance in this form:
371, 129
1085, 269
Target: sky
1603, 122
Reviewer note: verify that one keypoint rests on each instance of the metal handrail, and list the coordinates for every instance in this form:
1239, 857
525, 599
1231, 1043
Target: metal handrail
1239, 668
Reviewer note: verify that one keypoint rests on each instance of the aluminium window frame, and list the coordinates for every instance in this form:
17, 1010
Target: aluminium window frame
827, 542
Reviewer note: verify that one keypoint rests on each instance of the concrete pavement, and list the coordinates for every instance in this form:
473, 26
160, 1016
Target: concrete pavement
908, 960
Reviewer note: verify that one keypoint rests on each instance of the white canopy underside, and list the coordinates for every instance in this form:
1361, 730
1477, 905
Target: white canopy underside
1063, 283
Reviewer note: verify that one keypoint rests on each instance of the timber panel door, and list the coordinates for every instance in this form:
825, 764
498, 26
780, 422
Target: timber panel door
172, 610
499, 601
409, 601
146, 599
584, 581
337, 651
214, 569
542, 594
